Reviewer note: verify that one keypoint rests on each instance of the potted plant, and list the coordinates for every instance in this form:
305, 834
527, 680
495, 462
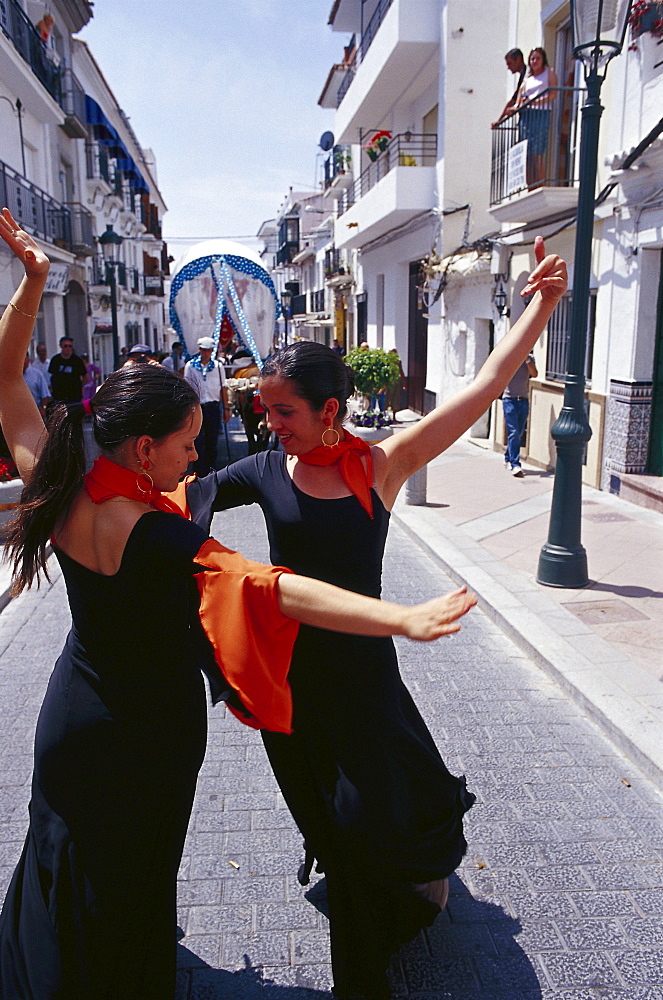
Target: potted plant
342, 161
378, 143
375, 371
11, 487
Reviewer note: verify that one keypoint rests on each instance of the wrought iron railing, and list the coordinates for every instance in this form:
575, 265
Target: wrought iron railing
82, 232
551, 126
332, 262
98, 163
99, 272
318, 300
368, 34
338, 162
559, 335
73, 97
19, 28
403, 150
298, 305
34, 209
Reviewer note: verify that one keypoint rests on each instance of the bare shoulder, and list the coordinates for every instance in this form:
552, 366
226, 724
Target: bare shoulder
95, 535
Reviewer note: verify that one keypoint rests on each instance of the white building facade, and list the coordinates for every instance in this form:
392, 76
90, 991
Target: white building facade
441, 221
70, 165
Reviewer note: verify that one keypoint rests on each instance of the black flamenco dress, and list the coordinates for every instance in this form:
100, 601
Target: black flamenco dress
91, 910
361, 773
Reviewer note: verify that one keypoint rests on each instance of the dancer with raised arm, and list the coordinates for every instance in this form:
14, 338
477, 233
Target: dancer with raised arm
90, 912
361, 773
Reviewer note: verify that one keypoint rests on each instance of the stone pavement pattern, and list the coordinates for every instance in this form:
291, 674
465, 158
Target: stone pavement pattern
560, 896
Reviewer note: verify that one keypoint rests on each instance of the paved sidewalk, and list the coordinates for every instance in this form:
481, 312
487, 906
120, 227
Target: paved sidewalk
560, 896
603, 644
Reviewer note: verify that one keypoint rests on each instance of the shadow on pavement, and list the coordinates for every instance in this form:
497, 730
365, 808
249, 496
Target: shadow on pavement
469, 953
198, 981
625, 591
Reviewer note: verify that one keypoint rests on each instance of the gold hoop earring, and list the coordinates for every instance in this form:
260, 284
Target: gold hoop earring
140, 487
333, 431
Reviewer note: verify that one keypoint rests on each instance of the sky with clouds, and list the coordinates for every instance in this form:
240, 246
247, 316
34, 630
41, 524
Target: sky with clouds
225, 93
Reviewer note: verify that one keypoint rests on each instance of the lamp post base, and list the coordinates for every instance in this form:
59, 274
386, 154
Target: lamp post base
562, 567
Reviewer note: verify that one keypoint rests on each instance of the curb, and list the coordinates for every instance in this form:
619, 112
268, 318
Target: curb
609, 687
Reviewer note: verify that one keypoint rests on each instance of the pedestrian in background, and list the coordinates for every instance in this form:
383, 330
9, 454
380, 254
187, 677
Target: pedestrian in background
67, 372
93, 374
90, 912
42, 361
175, 362
207, 376
515, 406
37, 385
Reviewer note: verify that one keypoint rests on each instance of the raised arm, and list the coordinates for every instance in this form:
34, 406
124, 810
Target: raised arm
22, 424
324, 606
400, 456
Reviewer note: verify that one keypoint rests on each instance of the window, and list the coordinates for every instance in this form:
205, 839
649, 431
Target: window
559, 332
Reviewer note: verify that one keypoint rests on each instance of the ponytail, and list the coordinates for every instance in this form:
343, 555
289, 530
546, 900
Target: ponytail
47, 496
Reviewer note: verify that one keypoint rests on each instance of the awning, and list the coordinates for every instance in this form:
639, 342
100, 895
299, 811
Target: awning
106, 134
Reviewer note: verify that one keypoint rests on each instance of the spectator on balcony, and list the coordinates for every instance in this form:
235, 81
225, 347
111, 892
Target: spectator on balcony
534, 101
67, 372
515, 62
42, 361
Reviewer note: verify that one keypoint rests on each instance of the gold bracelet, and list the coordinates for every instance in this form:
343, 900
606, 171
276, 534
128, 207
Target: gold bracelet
22, 312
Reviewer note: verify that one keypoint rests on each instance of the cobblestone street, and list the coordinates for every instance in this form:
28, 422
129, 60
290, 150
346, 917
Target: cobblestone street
560, 896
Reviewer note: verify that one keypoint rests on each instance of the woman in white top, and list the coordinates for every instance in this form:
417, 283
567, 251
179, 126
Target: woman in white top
534, 99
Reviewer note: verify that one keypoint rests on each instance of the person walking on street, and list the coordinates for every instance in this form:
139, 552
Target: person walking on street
90, 912
67, 373
208, 378
515, 406
175, 362
37, 384
41, 362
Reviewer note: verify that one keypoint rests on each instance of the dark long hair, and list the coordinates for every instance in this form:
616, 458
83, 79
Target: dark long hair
316, 372
138, 399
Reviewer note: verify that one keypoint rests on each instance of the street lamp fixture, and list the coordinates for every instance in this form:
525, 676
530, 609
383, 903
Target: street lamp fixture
110, 243
500, 297
286, 299
599, 29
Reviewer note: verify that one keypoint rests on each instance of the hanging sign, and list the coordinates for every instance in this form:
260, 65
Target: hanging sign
57, 280
516, 178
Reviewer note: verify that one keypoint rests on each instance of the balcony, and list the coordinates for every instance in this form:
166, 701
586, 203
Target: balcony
318, 301
34, 209
390, 191
73, 105
82, 234
298, 305
534, 163
338, 169
26, 39
395, 45
153, 284
99, 165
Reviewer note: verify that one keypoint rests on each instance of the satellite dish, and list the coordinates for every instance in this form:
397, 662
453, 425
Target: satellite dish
326, 141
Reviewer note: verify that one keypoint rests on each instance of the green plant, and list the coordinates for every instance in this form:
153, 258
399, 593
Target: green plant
373, 369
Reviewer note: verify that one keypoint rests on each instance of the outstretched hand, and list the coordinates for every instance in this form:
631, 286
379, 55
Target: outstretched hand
33, 258
438, 617
549, 277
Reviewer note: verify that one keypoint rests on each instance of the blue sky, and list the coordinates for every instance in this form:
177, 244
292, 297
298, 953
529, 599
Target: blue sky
225, 93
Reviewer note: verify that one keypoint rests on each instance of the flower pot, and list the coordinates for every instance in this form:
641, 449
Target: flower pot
383, 143
371, 434
10, 495
372, 154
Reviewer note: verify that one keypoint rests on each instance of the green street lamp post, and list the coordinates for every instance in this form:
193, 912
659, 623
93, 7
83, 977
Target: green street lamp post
110, 242
599, 27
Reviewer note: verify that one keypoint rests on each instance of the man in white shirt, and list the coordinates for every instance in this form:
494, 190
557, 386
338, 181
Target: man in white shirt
208, 378
41, 362
37, 384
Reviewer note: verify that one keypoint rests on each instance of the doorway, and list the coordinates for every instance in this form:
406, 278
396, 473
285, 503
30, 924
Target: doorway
417, 349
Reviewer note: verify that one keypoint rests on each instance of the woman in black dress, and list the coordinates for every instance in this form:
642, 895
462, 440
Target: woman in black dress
361, 774
90, 912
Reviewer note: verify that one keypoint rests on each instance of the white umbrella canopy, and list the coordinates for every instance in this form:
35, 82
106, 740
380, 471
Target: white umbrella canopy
221, 289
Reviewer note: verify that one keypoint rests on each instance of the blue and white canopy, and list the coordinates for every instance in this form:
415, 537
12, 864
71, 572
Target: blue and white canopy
220, 280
